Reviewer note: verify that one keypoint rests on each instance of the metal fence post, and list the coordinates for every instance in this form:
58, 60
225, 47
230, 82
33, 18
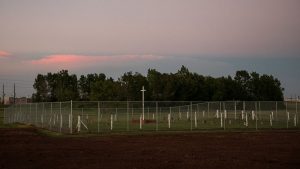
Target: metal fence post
36, 114
30, 115
276, 111
259, 110
286, 112
287, 119
4, 116
179, 113
256, 115
42, 117
156, 105
191, 116
234, 110
256, 106
297, 120
116, 114
208, 110
98, 117
127, 114
71, 118
111, 121
224, 119
61, 120
256, 120
21, 119
24, 112
286, 106
244, 107
148, 113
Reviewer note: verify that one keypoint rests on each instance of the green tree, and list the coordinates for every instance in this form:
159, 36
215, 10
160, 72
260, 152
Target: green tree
155, 84
133, 84
183, 85
41, 87
242, 78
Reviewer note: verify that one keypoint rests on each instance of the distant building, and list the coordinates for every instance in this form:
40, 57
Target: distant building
292, 99
8, 100
21, 100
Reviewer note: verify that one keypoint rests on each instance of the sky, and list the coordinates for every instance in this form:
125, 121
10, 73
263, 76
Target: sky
211, 37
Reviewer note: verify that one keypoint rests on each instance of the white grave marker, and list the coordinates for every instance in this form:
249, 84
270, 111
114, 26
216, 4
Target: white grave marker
246, 120
141, 121
78, 124
169, 120
111, 121
243, 115
272, 115
221, 120
271, 120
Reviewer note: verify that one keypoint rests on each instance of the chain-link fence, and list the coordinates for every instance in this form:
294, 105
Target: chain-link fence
102, 116
1, 115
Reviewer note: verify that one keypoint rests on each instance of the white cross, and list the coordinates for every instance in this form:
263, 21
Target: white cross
143, 98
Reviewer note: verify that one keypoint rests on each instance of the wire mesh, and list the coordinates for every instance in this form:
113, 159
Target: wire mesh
110, 116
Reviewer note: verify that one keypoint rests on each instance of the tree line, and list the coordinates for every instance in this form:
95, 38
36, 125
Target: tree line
180, 86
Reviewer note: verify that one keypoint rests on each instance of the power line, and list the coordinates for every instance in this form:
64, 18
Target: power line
19, 84
16, 80
25, 84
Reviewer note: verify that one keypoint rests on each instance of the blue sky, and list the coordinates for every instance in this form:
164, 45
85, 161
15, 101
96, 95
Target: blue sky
210, 37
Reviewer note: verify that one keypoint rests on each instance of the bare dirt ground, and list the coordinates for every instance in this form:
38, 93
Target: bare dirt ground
27, 148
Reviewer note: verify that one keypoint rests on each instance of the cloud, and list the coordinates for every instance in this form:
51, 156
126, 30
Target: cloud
70, 60
4, 54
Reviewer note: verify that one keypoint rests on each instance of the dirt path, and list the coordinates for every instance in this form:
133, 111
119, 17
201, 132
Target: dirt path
25, 148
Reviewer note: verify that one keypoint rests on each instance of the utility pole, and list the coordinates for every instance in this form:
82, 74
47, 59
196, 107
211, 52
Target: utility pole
14, 93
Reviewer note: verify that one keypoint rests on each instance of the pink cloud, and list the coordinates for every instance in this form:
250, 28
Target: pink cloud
59, 59
4, 54
69, 60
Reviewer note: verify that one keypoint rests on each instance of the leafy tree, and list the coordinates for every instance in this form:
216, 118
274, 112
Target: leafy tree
85, 84
183, 85
41, 87
133, 84
155, 84
56, 87
242, 78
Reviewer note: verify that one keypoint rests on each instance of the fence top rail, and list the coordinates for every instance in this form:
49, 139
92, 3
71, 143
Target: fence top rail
150, 102
202, 101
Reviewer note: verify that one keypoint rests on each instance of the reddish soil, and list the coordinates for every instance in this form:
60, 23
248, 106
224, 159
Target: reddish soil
26, 148
134, 121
